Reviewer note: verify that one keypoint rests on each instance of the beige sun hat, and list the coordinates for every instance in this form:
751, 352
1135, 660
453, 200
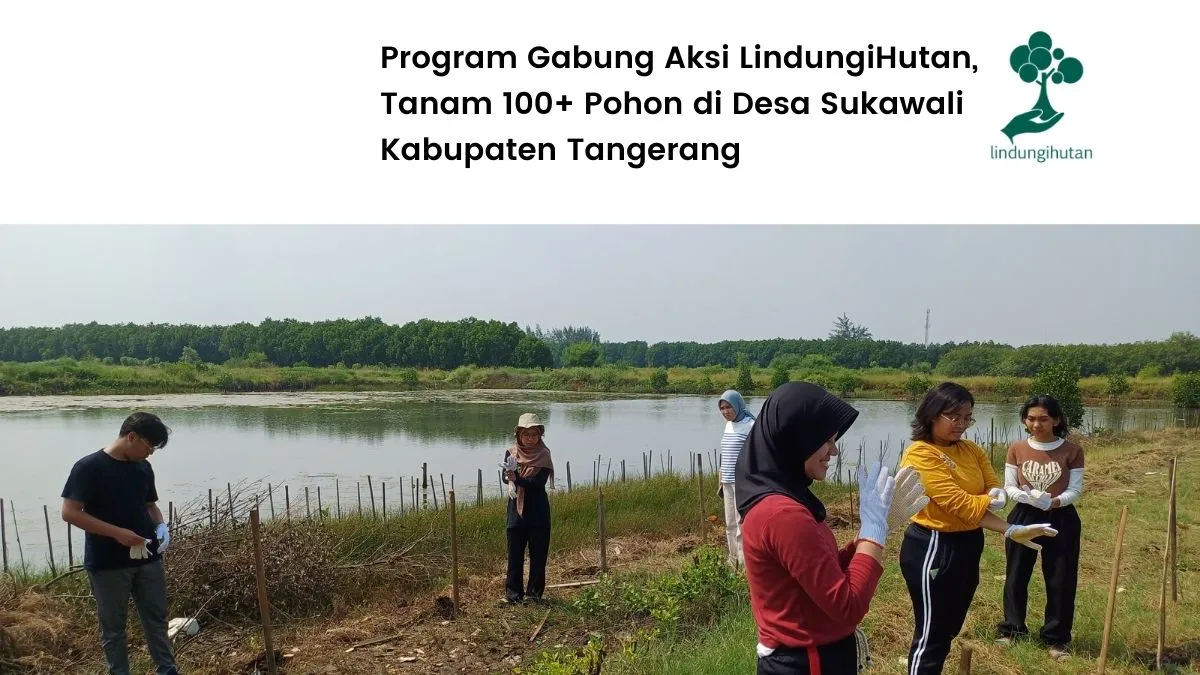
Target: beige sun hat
530, 420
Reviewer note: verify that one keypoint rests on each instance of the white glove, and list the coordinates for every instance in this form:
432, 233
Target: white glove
1035, 498
908, 498
999, 499
510, 464
140, 552
875, 501
163, 533
1025, 534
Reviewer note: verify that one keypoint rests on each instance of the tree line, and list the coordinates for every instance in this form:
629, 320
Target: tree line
447, 345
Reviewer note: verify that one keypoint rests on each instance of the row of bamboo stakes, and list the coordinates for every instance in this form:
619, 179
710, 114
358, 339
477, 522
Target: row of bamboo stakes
1170, 575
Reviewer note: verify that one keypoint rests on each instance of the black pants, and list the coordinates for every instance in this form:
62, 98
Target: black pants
941, 570
838, 658
1060, 569
538, 540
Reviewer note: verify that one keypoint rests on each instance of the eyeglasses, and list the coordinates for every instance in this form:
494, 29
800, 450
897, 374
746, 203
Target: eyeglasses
960, 421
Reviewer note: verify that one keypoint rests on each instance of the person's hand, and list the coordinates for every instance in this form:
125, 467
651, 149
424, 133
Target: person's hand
1035, 498
140, 552
875, 490
511, 464
129, 538
163, 533
999, 498
908, 498
1025, 534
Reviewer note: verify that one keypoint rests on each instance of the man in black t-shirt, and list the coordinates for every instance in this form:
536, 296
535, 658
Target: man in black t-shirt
110, 495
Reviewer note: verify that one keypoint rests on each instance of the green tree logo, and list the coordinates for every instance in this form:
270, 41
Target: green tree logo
1039, 61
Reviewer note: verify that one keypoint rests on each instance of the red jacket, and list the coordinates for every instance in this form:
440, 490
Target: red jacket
804, 592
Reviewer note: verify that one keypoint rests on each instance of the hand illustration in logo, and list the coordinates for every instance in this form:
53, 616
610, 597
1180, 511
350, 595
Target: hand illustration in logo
1037, 62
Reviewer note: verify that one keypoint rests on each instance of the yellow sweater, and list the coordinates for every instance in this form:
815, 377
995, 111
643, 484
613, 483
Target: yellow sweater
957, 479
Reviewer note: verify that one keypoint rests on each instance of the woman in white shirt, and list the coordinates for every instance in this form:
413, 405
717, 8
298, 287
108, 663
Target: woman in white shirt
1043, 474
738, 422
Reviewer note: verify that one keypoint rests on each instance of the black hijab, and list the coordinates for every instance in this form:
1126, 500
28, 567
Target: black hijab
795, 421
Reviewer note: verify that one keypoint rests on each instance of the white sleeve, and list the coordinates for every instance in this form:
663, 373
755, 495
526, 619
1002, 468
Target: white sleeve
1010, 481
1074, 488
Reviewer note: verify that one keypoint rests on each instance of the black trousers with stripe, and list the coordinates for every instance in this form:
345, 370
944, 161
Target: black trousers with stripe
1060, 569
941, 570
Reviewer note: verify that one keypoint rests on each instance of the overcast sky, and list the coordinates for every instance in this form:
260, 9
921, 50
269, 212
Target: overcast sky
1015, 284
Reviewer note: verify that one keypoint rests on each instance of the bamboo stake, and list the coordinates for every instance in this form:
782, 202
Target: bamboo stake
358, 487
264, 606
320, 510
229, 489
453, 557
568, 476
271, 500
603, 538
307, 506
442, 478
1112, 592
337, 495
49, 541
700, 489
1173, 525
371, 494
479, 491
70, 545
287, 503
17, 531
212, 515
3, 536
964, 660
383, 506
425, 486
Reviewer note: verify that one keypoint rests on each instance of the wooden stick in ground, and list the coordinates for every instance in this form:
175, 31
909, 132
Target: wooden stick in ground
442, 478
229, 490
1166, 575
603, 538
287, 503
1112, 592
435, 501
358, 488
320, 511
383, 501
170, 516
337, 495
17, 532
568, 476
1173, 532
212, 515
264, 605
622, 471
479, 489
538, 630
70, 548
49, 541
453, 558
371, 496
402, 497
271, 500
307, 506
700, 488
964, 660
425, 485
3, 536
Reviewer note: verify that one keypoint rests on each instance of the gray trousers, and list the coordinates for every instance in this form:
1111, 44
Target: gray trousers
148, 586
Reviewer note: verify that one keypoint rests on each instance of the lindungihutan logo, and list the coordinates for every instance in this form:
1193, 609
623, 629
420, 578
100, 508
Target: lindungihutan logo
1040, 62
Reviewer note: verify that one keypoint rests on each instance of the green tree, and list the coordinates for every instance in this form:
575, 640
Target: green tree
1118, 386
581, 354
780, 376
532, 353
916, 386
190, 356
1186, 390
1061, 380
845, 329
745, 380
1039, 61
658, 380
846, 383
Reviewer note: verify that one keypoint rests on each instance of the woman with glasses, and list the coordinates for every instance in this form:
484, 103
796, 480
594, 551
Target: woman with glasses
944, 542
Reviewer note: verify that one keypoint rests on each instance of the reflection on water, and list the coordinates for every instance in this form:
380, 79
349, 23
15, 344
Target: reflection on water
312, 440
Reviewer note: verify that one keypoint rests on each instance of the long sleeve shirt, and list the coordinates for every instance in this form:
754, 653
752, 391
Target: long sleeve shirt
957, 479
804, 592
537, 503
